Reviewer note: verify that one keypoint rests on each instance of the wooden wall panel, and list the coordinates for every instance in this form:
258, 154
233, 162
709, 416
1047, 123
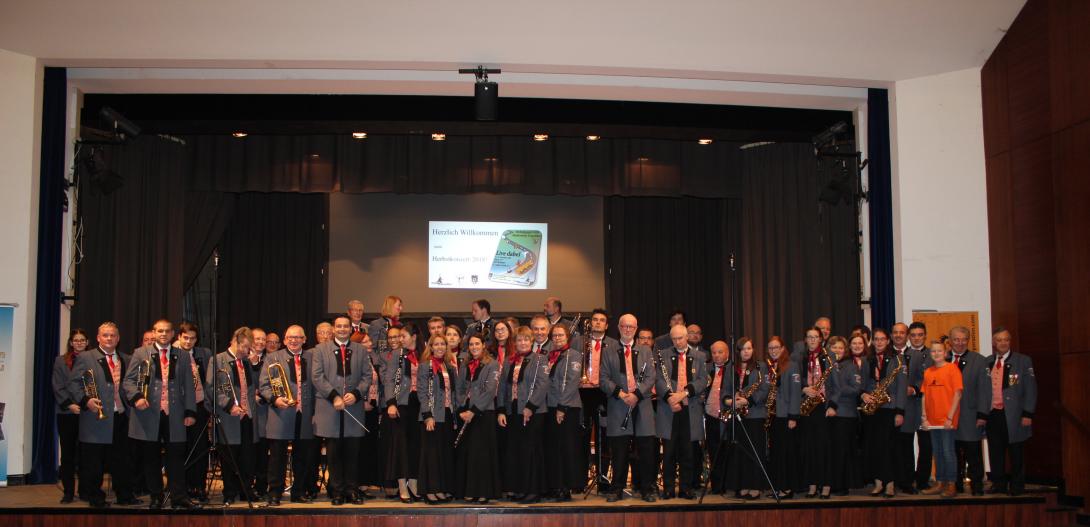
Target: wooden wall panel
993, 81
1001, 242
1069, 62
1028, 74
1071, 173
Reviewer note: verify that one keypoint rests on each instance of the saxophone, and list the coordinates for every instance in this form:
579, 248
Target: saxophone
881, 391
773, 390
808, 404
728, 412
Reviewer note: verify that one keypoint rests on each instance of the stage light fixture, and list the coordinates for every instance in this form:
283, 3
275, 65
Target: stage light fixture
541, 137
593, 137
704, 141
122, 127
239, 135
438, 136
359, 135
486, 94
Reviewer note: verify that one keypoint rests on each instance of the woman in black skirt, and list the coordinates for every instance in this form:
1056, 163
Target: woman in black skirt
370, 470
502, 348
68, 412
436, 382
744, 472
880, 429
565, 466
848, 382
783, 429
814, 429
402, 411
521, 413
477, 476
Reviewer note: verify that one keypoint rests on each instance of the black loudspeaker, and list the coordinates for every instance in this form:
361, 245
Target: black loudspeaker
486, 95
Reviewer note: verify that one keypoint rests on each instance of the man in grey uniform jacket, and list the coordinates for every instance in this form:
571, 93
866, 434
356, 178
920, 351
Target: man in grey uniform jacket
681, 378
161, 417
341, 375
102, 440
289, 423
1013, 401
236, 406
627, 376
973, 410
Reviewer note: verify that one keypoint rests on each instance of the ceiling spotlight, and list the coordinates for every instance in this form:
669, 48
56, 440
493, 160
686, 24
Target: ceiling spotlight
314, 156
239, 135
485, 93
438, 136
593, 137
541, 137
704, 141
642, 159
359, 135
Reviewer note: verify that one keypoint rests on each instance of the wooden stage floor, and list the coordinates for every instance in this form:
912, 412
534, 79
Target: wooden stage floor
38, 505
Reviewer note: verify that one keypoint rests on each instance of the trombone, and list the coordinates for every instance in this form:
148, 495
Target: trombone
90, 388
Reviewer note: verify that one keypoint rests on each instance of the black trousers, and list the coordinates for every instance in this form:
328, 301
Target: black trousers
880, 445
718, 451
998, 446
196, 449
68, 430
302, 464
677, 453
343, 454
151, 455
844, 472
238, 484
261, 464
97, 458
969, 453
644, 446
923, 460
594, 403
370, 453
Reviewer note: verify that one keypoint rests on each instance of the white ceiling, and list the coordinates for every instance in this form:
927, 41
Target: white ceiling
850, 43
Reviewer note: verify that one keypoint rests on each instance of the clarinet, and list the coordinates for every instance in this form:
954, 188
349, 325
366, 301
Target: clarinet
628, 415
431, 390
462, 431
533, 382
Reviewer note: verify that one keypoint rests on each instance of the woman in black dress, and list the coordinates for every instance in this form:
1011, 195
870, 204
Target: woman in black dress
815, 367
845, 423
402, 409
783, 429
477, 476
750, 376
879, 429
436, 381
565, 466
521, 413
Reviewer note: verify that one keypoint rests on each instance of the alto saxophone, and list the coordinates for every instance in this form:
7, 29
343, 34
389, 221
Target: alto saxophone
278, 381
90, 389
727, 413
808, 404
880, 394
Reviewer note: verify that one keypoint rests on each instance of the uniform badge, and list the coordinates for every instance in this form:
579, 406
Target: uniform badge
1012, 379
576, 366
795, 378
858, 379
1030, 371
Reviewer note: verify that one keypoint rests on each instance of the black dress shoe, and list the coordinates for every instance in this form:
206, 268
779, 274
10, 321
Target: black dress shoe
129, 501
814, 494
687, 495
978, 492
68, 498
337, 501
99, 504
666, 495
357, 499
156, 502
614, 497
840, 493
530, 498
998, 489
273, 502
1016, 492
184, 504
565, 495
649, 497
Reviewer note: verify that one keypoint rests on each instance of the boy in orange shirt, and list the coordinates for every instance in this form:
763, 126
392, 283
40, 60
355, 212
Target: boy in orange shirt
941, 389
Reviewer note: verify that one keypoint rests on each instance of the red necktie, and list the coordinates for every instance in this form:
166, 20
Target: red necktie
298, 384
164, 371
628, 369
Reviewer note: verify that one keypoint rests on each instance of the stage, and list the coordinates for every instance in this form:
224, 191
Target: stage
37, 505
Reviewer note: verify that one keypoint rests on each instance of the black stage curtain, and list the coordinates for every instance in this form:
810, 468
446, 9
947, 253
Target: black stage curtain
272, 264
799, 259
671, 253
464, 164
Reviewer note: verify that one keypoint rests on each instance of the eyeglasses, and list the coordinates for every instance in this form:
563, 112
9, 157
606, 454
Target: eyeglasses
775, 347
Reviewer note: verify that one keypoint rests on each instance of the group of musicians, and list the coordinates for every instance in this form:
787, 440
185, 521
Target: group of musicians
524, 412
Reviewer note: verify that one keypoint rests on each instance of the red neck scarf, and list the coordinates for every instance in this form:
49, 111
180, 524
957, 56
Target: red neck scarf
436, 365
517, 357
474, 365
554, 355
412, 357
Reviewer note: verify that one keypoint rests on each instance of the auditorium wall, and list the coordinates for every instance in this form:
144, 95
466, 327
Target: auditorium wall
940, 206
20, 137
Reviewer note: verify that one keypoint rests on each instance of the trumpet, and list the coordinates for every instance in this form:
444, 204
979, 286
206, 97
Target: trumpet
278, 381
90, 388
143, 377
226, 385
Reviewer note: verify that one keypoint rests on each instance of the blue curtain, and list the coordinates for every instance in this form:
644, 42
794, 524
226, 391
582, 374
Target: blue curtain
47, 323
883, 303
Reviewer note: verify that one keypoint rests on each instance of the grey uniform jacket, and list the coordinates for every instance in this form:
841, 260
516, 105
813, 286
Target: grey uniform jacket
91, 429
60, 378
897, 389
261, 409
533, 385
477, 393
666, 384
282, 421
788, 392
976, 395
144, 424
396, 387
564, 380
916, 360
334, 378
757, 400
203, 358
1019, 393
613, 380
430, 389
847, 382
225, 370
